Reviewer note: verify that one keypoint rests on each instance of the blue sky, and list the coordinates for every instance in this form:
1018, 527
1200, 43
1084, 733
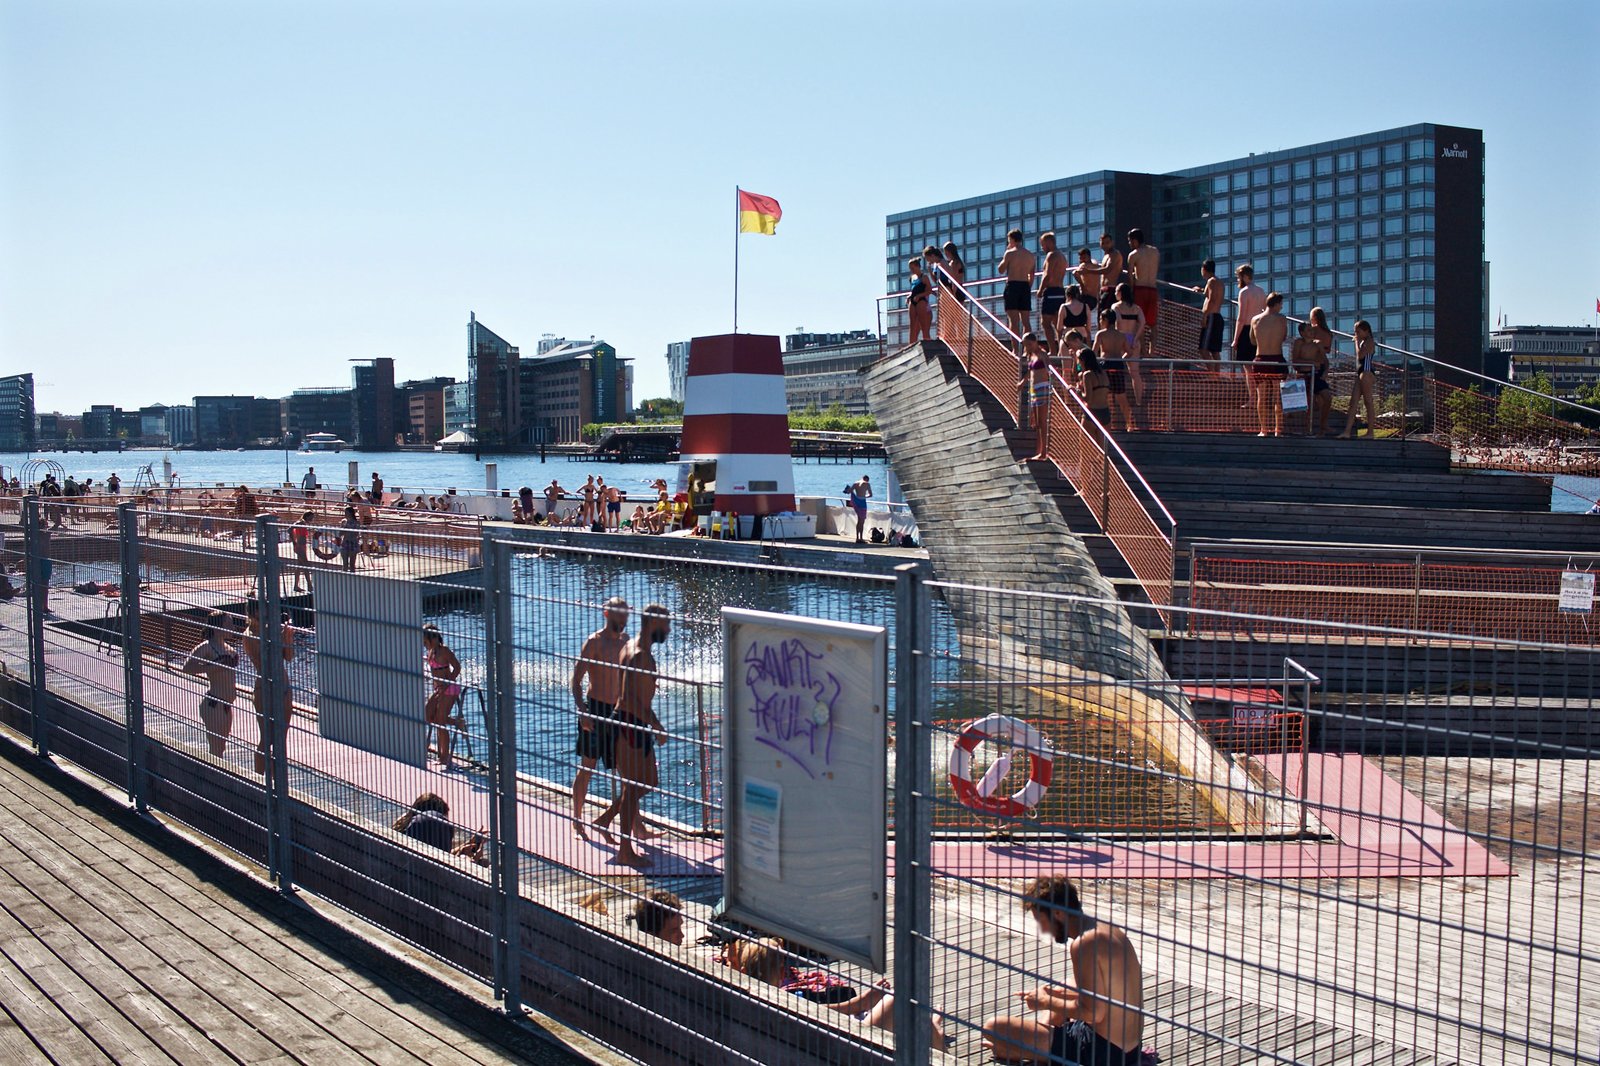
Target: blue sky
240, 197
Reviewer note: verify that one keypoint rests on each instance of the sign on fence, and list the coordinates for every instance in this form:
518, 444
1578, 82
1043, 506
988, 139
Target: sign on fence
370, 687
804, 762
1577, 591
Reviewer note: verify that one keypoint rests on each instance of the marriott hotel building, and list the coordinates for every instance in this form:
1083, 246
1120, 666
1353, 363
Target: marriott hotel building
1385, 226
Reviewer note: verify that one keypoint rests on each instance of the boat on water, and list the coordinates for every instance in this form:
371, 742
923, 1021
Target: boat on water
323, 442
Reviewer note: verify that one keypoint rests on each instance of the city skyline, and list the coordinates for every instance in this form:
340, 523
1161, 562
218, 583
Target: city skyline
246, 199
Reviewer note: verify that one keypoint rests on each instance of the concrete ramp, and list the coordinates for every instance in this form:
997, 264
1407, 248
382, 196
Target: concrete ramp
985, 521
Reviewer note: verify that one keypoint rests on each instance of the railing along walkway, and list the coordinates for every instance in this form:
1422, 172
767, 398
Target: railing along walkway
1074, 440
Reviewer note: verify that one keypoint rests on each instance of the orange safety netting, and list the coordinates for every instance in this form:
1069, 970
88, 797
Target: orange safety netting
1512, 431
1415, 592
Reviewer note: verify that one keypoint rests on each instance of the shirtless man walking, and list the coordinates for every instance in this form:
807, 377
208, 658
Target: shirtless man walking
1018, 266
597, 741
1099, 1020
1211, 293
1052, 288
258, 697
638, 728
1144, 265
215, 661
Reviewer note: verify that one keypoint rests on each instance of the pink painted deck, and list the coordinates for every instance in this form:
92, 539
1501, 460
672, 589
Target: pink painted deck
1382, 829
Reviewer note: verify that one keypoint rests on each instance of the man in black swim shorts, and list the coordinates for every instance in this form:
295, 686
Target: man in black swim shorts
598, 661
1018, 266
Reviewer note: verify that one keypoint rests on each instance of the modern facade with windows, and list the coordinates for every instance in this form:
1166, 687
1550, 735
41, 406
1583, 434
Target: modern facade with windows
677, 369
495, 385
569, 385
1569, 355
372, 404
17, 431
309, 411
821, 370
1385, 226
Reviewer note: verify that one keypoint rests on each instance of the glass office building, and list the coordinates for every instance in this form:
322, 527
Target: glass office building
1385, 226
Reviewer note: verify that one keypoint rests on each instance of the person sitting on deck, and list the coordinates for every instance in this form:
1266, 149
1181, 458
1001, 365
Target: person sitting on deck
1100, 1022
660, 914
427, 821
764, 960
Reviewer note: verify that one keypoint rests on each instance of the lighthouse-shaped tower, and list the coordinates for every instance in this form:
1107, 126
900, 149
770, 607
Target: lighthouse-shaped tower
736, 426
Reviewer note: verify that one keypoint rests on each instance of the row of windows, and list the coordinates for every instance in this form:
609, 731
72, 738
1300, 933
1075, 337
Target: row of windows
1304, 249
1370, 226
1323, 165
1089, 202
1418, 178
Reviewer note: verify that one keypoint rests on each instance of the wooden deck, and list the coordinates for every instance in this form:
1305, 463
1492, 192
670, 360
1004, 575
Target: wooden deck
120, 942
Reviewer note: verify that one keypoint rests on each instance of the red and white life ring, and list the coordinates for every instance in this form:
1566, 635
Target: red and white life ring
1016, 734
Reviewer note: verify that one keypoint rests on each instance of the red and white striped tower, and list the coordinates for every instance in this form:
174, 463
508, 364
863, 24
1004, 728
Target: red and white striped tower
734, 413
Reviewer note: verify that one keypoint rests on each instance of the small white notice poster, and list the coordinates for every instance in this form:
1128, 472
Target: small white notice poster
762, 815
1577, 591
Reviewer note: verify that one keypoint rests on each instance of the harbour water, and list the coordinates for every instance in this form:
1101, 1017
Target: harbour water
413, 471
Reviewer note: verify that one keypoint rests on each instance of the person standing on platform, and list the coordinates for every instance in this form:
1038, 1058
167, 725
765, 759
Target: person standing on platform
218, 663
1036, 380
588, 492
1109, 271
599, 661
445, 671
1320, 337
309, 482
258, 696
954, 265
919, 312
1144, 266
1268, 331
1018, 266
1052, 288
857, 496
1211, 292
349, 539
1088, 279
1365, 385
1252, 301
638, 729
1129, 319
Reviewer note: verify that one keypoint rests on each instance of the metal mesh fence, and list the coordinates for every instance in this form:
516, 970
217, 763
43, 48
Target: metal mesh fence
1287, 842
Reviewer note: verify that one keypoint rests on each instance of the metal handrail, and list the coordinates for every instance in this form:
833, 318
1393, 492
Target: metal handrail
1083, 408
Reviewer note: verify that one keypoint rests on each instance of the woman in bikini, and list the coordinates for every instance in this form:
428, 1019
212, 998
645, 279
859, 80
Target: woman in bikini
917, 308
444, 668
1074, 314
1366, 381
1037, 378
954, 266
1130, 323
1321, 338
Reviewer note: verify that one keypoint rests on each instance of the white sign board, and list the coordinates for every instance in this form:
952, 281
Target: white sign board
1577, 591
804, 760
371, 686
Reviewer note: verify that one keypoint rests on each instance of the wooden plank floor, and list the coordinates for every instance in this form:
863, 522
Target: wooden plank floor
120, 942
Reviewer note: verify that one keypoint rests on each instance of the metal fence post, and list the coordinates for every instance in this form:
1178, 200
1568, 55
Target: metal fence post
913, 816
505, 866
35, 543
133, 656
273, 679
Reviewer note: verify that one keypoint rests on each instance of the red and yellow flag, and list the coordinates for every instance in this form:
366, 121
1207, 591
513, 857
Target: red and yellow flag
758, 214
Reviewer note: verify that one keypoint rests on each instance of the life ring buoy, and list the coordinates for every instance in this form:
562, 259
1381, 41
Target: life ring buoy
324, 545
1018, 734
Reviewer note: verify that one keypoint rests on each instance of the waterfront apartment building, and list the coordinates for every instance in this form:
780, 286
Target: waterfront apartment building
18, 433
179, 424
458, 408
234, 421
420, 410
1570, 355
570, 384
1385, 226
677, 369
372, 404
824, 369
492, 373
330, 410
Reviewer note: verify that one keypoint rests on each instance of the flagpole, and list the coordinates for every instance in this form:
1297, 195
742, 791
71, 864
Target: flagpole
736, 259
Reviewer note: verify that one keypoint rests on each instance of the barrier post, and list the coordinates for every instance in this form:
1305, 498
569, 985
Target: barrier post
273, 679
133, 656
502, 704
913, 817
1416, 592
35, 541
